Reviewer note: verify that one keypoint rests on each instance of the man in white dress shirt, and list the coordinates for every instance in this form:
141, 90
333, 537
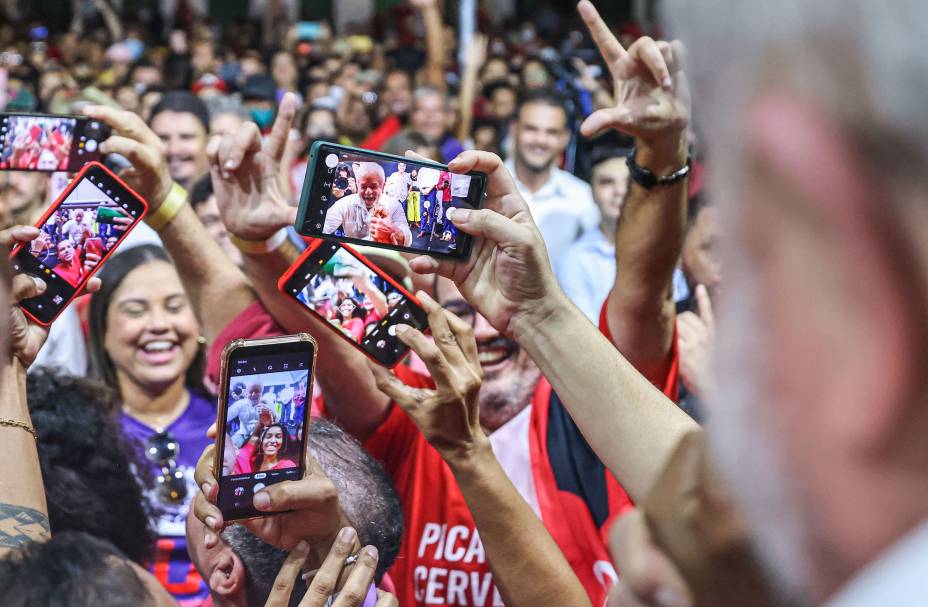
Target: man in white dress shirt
561, 204
369, 214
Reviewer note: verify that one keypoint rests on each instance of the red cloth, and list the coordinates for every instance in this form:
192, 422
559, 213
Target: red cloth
383, 133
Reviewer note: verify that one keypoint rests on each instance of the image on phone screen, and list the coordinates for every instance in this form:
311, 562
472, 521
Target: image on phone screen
265, 424
403, 204
35, 142
79, 232
361, 304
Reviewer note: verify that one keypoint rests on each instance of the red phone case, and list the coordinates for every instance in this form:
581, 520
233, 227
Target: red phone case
54, 207
94, 245
315, 243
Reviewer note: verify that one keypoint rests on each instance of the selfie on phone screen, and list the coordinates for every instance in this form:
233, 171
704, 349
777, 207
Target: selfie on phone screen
395, 202
265, 421
354, 299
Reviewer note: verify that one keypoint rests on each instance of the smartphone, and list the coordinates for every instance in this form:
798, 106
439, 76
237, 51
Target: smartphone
70, 230
263, 418
49, 142
396, 203
355, 298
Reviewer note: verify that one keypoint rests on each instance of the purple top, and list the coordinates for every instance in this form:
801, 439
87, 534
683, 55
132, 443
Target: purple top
172, 564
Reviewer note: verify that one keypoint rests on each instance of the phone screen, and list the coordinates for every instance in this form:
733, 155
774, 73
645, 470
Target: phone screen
369, 198
79, 231
360, 303
46, 142
266, 421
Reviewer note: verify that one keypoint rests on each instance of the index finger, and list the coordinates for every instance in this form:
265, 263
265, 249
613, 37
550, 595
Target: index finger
234, 147
277, 141
127, 124
287, 576
608, 45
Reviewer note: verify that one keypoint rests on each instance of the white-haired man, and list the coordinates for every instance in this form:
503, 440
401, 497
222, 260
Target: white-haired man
369, 214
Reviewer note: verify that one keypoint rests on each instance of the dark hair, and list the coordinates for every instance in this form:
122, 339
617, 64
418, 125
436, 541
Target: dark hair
201, 191
543, 96
74, 569
183, 102
112, 275
258, 457
605, 153
365, 494
88, 470
358, 309
694, 206
491, 87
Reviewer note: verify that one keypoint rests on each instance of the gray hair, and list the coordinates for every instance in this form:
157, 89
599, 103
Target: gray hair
366, 168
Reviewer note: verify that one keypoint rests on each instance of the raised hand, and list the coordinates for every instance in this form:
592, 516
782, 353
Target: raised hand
449, 415
252, 202
508, 277
697, 338
148, 174
651, 93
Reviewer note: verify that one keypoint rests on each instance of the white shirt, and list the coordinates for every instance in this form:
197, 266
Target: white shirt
352, 215
65, 348
898, 577
563, 209
397, 185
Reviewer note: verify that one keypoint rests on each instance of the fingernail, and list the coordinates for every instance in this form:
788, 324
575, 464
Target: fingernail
205, 487
230, 164
400, 329
668, 597
262, 500
209, 539
308, 574
461, 215
456, 160
211, 522
39, 284
426, 297
347, 535
667, 83
372, 552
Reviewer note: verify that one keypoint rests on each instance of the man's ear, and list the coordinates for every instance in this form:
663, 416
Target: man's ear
227, 578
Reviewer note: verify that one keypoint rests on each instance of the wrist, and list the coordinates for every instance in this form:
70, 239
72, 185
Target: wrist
662, 155
543, 311
470, 461
168, 207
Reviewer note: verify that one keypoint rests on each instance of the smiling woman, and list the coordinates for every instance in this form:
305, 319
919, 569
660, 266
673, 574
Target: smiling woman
144, 343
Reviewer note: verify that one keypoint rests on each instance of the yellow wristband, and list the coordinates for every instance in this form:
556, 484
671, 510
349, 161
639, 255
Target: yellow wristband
175, 199
260, 247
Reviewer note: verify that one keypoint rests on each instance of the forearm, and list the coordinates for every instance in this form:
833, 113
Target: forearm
528, 567
351, 395
466, 97
649, 238
216, 287
629, 423
23, 512
434, 50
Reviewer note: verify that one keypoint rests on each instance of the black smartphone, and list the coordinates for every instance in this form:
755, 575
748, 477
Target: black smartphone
263, 422
49, 142
77, 234
364, 197
355, 298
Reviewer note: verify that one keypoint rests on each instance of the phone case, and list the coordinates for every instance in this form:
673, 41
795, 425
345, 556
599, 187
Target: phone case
54, 207
298, 264
224, 390
307, 189
96, 135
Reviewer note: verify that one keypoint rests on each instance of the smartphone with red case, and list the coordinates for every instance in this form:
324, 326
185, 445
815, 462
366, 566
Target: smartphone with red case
355, 298
70, 230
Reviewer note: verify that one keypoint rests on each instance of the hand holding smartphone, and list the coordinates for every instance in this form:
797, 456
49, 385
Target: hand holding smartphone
74, 241
355, 298
265, 386
49, 142
397, 203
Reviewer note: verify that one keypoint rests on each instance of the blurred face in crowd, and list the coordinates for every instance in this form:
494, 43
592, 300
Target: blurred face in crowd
510, 375
396, 96
202, 57
535, 75
429, 115
320, 124
370, 185
702, 263
251, 65
540, 136
50, 81
503, 103
283, 70
353, 119
485, 138
185, 144
610, 184
128, 98
22, 195
208, 212
149, 75
149, 101
225, 122
151, 332
495, 69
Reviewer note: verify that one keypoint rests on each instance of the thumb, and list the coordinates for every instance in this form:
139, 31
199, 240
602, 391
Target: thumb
493, 226
600, 120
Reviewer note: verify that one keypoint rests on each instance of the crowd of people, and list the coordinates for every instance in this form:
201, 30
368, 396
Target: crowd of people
576, 427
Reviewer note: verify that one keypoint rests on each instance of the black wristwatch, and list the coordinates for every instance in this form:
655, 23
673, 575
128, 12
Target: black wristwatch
648, 180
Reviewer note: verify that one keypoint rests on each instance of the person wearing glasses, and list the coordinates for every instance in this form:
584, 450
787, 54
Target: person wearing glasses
145, 344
